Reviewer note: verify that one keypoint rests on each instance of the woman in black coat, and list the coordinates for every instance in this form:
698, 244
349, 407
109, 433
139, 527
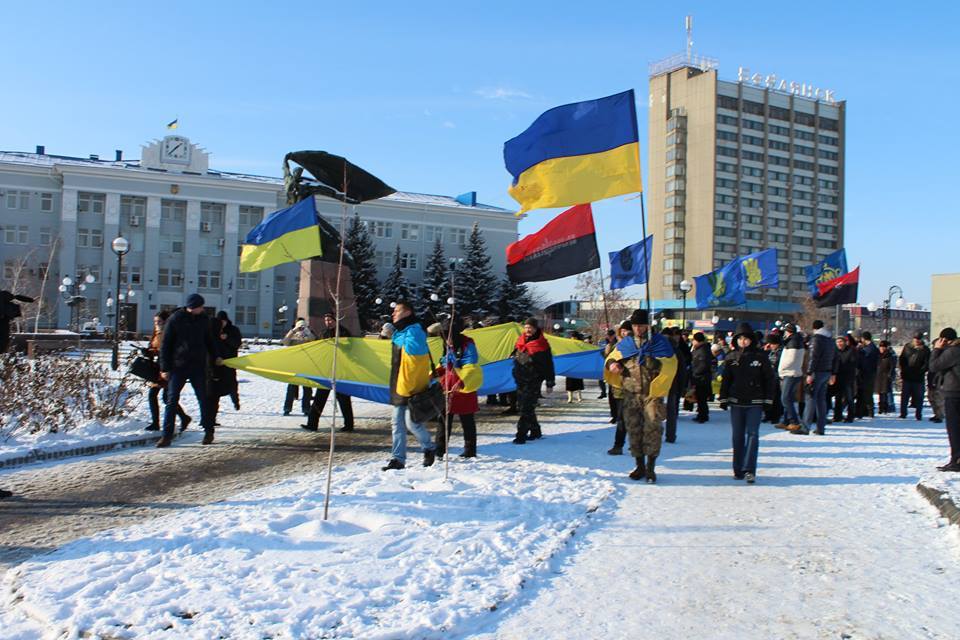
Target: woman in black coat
223, 380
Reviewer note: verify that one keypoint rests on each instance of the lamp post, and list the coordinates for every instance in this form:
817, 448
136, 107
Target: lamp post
685, 287
72, 293
120, 246
886, 309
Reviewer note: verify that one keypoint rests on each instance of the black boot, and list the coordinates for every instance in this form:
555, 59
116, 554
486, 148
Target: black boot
469, 450
651, 474
429, 457
640, 471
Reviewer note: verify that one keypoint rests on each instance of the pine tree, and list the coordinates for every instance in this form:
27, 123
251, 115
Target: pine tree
476, 289
366, 287
434, 281
396, 287
514, 303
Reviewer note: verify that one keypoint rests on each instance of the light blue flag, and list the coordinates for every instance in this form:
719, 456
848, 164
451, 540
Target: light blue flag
631, 265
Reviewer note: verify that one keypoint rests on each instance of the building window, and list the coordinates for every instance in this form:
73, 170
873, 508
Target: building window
212, 212
18, 199
384, 259
803, 164
731, 120
727, 102
778, 160
409, 261
169, 277
248, 281
91, 202
754, 140
83, 270
208, 279
380, 229
250, 216
90, 238
279, 283
721, 166
458, 237
46, 236
15, 234
752, 155
755, 108
727, 135
829, 124
171, 244
133, 206
211, 246
803, 150
409, 231
173, 210
779, 113
131, 275
46, 202
246, 315
727, 151
433, 234
806, 119
756, 125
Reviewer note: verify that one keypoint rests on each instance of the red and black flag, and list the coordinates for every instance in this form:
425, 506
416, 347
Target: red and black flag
842, 290
566, 246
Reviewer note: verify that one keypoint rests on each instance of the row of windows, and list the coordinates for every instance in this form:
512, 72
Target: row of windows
777, 145
774, 159
778, 113
21, 200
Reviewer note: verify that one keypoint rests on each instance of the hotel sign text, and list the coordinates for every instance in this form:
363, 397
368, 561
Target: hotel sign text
796, 88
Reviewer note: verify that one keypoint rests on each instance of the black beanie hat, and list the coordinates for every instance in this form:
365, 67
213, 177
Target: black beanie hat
532, 322
949, 333
640, 316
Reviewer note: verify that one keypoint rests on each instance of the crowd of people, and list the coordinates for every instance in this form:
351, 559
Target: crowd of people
788, 378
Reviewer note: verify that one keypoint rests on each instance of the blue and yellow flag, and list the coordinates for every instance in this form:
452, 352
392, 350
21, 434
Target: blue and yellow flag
286, 235
576, 154
724, 287
657, 347
173, 124
760, 270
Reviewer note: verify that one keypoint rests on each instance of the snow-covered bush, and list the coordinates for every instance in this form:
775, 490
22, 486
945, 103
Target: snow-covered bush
54, 393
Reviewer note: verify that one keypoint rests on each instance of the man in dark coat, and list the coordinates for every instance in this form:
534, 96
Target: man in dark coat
819, 372
774, 348
9, 311
945, 361
914, 361
532, 365
845, 369
886, 366
222, 380
680, 381
320, 395
869, 359
184, 355
701, 369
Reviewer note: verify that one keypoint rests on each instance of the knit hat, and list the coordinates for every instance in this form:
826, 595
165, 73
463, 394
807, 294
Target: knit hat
194, 300
532, 322
640, 316
744, 328
790, 327
949, 333
626, 325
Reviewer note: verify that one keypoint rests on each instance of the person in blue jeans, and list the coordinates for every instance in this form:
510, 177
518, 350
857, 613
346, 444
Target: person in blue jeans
747, 388
790, 371
409, 375
823, 353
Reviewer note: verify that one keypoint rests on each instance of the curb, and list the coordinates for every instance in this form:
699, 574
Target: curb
942, 501
39, 455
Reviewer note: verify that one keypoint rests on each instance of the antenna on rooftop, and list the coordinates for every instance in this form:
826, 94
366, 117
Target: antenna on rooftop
688, 22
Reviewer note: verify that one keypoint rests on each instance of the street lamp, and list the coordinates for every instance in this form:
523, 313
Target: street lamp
685, 287
72, 293
886, 309
120, 246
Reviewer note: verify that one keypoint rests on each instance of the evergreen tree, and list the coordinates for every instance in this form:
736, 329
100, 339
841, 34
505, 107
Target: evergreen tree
514, 303
434, 281
366, 287
396, 287
476, 285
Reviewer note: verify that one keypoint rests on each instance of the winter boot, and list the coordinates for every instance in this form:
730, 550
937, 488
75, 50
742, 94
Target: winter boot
429, 457
393, 464
185, 422
640, 471
165, 441
469, 450
153, 427
615, 451
569, 397
579, 397
651, 474
207, 437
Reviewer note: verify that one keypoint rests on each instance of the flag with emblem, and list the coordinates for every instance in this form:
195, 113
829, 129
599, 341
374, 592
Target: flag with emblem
760, 270
630, 265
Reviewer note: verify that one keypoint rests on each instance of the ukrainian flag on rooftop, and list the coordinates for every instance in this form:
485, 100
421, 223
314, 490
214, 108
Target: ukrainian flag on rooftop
576, 153
286, 235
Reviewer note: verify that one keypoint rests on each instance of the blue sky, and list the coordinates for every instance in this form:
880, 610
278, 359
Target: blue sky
425, 93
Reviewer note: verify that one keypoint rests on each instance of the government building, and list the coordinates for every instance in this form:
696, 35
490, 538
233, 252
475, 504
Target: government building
739, 166
185, 224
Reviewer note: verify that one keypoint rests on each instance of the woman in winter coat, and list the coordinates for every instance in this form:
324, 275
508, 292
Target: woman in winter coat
886, 368
222, 380
460, 374
747, 387
153, 396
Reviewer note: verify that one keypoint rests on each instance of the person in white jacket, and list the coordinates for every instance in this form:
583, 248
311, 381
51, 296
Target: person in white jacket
791, 375
299, 334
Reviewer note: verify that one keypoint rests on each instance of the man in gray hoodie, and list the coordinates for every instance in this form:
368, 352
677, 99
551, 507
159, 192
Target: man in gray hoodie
819, 374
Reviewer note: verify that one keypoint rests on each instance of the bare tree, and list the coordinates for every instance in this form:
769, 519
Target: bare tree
601, 308
809, 312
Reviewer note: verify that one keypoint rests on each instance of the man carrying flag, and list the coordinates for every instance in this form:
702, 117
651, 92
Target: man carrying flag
576, 153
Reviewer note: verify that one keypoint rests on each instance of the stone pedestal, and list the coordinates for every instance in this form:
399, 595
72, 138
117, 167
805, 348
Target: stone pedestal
318, 281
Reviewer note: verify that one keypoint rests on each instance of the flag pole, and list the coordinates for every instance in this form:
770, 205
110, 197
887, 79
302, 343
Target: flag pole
603, 296
336, 347
643, 221
447, 393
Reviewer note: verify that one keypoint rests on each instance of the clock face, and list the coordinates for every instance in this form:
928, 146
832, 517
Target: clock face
176, 149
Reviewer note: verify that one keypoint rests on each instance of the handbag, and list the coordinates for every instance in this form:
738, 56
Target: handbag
145, 368
429, 404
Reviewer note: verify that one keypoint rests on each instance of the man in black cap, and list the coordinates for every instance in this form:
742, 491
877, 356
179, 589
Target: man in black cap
532, 365
185, 352
320, 395
945, 361
914, 360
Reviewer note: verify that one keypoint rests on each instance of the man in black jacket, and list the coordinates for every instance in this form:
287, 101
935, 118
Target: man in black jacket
845, 369
869, 360
914, 361
680, 381
184, 354
701, 370
320, 395
945, 361
819, 373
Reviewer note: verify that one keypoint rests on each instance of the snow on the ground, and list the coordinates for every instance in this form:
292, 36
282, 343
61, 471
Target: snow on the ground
88, 434
833, 541
402, 555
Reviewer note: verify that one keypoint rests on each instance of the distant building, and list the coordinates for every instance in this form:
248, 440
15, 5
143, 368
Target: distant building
185, 223
739, 166
899, 328
945, 302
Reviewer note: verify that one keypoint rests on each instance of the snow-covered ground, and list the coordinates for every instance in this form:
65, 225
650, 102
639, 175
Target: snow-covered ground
547, 540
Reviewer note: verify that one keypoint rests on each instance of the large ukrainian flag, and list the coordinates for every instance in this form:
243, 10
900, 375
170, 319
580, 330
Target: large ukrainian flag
575, 154
286, 235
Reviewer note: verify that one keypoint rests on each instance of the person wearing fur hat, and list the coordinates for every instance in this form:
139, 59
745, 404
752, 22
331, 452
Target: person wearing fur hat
746, 389
532, 365
945, 361
300, 333
644, 366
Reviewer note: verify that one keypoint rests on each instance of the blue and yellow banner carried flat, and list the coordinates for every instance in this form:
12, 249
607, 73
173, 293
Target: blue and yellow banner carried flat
286, 235
576, 153
363, 366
